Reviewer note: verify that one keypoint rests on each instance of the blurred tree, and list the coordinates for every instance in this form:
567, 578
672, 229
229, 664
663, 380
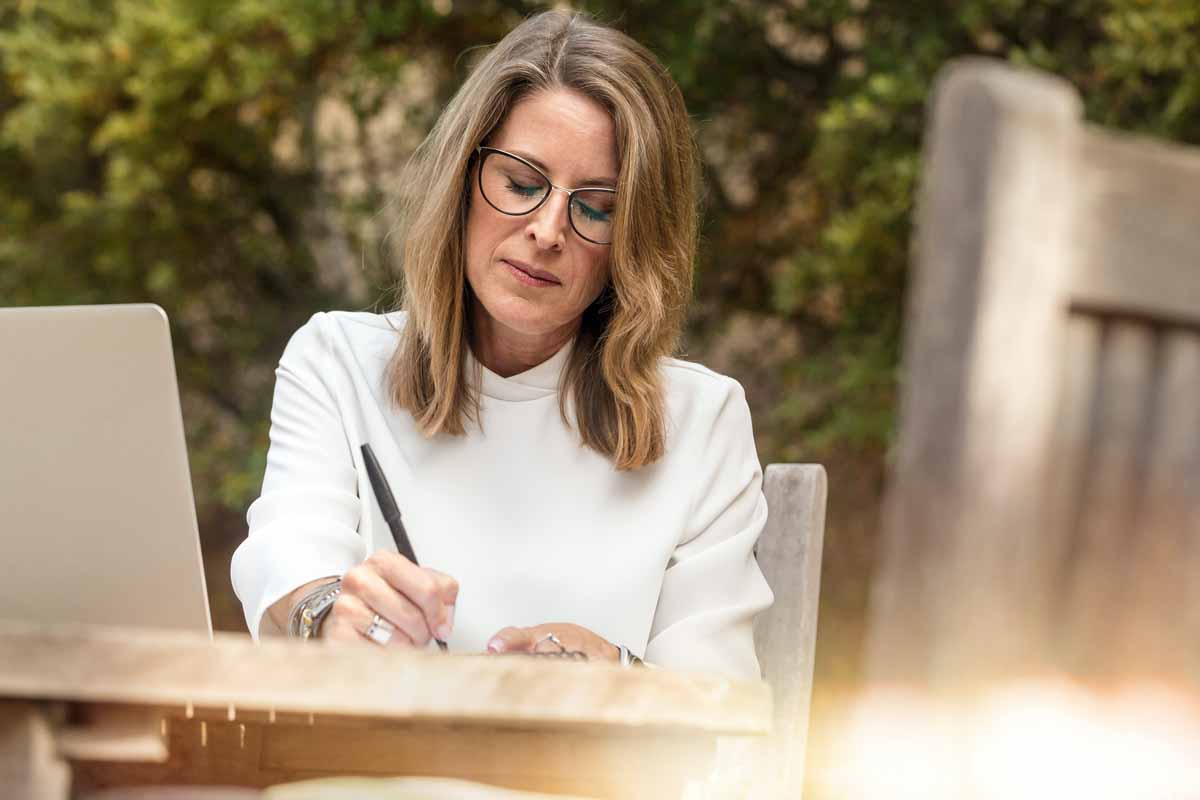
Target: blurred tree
224, 159
172, 152
811, 115
166, 152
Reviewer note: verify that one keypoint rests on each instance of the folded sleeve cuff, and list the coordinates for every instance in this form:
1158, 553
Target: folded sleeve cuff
286, 553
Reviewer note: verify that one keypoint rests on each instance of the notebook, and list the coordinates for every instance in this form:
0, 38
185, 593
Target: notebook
97, 519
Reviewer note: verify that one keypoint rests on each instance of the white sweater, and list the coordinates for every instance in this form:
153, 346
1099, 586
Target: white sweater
535, 527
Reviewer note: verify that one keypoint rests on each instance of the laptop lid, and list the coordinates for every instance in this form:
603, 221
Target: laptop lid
97, 519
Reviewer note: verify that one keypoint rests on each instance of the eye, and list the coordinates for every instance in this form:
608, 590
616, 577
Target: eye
523, 189
592, 213
522, 181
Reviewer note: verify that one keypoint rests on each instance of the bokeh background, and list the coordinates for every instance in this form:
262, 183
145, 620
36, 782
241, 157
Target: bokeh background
233, 160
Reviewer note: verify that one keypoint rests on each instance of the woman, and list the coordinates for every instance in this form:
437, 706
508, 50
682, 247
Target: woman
564, 482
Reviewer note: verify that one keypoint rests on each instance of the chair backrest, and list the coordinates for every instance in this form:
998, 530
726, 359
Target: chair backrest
789, 553
1043, 512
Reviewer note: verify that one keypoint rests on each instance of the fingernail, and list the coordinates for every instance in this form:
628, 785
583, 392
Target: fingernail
443, 632
496, 646
450, 616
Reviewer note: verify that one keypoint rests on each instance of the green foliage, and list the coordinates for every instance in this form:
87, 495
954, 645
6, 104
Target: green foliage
170, 151
820, 106
162, 151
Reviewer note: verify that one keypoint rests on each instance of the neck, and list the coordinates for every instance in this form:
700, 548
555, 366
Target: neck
508, 352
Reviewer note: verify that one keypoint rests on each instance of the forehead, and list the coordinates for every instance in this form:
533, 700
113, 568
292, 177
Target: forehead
570, 133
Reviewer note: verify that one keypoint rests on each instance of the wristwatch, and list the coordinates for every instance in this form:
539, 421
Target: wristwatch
307, 615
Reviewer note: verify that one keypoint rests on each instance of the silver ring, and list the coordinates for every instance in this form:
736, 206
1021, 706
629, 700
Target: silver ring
550, 637
380, 630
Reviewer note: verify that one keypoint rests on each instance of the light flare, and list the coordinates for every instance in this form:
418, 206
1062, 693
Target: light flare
1034, 740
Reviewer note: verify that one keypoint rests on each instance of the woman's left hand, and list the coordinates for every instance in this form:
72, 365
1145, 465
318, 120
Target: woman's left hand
536, 640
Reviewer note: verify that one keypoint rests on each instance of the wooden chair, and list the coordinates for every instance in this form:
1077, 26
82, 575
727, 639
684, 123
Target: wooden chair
1043, 514
789, 553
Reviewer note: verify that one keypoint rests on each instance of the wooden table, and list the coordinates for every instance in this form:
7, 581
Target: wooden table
97, 708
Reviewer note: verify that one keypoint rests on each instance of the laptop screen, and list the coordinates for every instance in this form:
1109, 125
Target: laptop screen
97, 519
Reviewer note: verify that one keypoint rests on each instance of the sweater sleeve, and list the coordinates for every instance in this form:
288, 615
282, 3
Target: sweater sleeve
713, 586
304, 526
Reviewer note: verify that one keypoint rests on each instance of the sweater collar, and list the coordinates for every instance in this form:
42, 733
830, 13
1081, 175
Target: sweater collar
538, 381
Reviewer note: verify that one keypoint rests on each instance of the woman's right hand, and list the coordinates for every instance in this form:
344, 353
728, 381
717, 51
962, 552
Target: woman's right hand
418, 601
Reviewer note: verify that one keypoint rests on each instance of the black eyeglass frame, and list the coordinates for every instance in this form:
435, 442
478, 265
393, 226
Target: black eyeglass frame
481, 153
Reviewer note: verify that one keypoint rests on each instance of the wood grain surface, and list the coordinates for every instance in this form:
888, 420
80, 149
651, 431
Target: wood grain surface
152, 708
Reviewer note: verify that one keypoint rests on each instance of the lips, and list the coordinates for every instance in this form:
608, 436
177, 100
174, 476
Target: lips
530, 270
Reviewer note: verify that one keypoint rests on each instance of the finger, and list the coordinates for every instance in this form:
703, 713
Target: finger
449, 598
576, 638
342, 631
432, 591
379, 596
512, 640
351, 617
339, 625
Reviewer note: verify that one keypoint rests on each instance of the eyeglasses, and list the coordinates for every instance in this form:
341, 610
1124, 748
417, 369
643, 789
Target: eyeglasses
513, 186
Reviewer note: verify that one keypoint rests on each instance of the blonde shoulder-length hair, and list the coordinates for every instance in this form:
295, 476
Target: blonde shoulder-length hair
613, 375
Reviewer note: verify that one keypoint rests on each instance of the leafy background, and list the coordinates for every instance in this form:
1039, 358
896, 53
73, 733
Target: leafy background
233, 160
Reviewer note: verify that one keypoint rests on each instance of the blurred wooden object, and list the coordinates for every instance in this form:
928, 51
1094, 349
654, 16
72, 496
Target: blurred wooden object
397, 789
232, 712
29, 763
1043, 514
789, 553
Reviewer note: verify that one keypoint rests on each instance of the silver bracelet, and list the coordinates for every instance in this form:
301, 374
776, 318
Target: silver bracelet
304, 621
628, 659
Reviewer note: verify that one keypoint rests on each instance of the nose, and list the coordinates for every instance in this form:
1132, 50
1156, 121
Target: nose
548, 225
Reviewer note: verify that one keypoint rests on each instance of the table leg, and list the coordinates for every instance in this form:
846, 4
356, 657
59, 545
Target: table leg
736, 772
30, 766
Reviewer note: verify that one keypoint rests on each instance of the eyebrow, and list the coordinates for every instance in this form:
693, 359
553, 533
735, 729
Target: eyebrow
608, 183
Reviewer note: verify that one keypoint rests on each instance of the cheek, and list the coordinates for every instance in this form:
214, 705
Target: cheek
484, 231
598, 273
476, 228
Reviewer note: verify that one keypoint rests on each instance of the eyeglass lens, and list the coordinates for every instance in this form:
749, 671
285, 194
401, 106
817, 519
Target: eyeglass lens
514, 187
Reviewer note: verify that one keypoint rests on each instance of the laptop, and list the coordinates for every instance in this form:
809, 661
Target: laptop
97, 519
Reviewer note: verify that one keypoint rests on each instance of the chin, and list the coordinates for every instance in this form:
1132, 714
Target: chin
522, 315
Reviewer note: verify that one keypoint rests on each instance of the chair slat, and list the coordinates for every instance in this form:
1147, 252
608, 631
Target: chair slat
1137, 220
1119, 424
1165, 568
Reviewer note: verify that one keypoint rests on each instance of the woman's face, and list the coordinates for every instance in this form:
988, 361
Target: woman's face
571, 138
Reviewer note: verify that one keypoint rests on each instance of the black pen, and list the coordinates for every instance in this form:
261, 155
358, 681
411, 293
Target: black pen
391, 511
